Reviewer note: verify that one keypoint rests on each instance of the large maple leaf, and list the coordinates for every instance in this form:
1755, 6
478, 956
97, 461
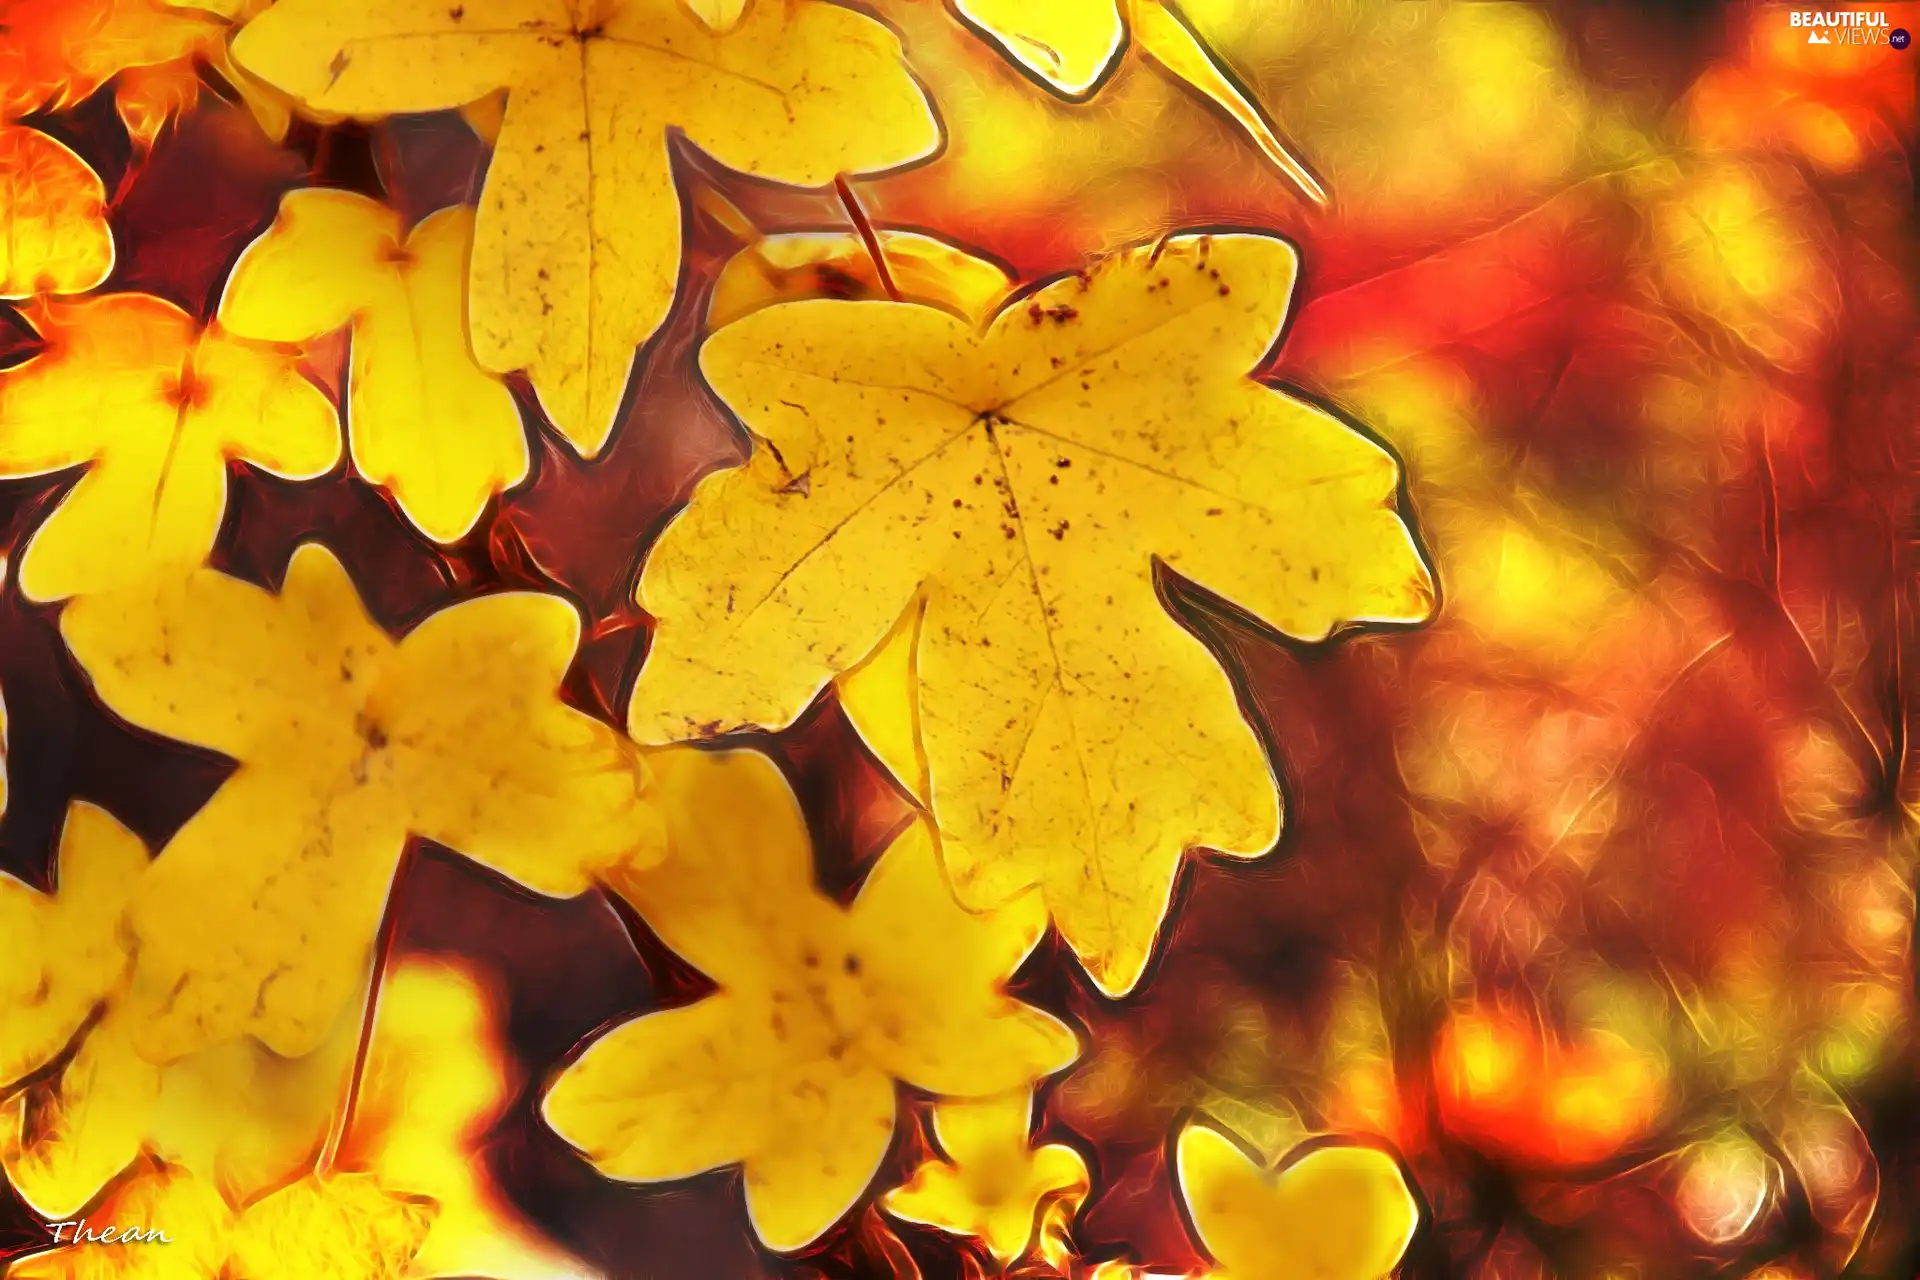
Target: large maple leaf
258, 917
424, 420
790, 1069
1019, 484
577, 250
157, 407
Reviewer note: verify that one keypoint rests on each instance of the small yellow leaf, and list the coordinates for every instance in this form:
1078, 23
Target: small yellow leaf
424, 419
129, 384
577, 253
790, 1068
1337, 1212
1020, 484
61, 956
57, 237
259, 916
1069, 45
837, 264
994, 1181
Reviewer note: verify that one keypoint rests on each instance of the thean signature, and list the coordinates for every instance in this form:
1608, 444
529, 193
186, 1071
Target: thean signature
82, 1234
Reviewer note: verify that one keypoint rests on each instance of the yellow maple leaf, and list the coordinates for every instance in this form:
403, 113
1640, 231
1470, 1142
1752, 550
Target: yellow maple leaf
790, 1069
1019, 483
1072, 46
61, 955
57, 237
156, 407
576, 254
994, 1181
424, 420
258, 917
1336, 1212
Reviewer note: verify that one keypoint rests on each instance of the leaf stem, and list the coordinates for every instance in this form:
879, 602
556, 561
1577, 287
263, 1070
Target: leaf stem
867, 234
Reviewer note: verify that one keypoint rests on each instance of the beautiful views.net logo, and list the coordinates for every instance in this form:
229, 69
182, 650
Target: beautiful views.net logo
1853, 26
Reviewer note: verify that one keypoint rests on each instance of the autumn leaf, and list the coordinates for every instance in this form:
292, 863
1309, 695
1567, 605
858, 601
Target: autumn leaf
424, 420
577, 247
62, 954
1072, 46
155, 407
790, 1069
57, 237
1337, 1212
1019, 484
993, 1182
258, 917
